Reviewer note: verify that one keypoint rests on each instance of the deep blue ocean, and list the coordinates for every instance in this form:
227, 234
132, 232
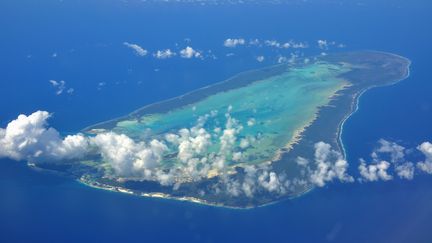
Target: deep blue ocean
110, 81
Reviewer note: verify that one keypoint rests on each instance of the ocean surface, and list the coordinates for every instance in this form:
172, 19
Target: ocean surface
80, 42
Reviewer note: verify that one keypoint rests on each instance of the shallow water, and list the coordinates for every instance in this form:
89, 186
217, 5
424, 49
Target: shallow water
276, 108
41, 208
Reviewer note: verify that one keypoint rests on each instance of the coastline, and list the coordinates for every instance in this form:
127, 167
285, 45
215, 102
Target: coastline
329, 117
298, 133
137, 111
356, 101
179, 97
160, 195
192, 200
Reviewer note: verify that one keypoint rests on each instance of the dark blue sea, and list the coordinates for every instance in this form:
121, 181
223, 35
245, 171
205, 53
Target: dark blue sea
109, 81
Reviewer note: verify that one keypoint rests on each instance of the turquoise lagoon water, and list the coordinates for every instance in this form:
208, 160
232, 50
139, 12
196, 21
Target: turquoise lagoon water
88, 36
270, 111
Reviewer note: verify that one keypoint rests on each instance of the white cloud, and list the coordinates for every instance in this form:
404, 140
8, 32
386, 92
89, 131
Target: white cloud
60, 87
270, 181
244, 143
228, 137
426, 149
249, 183
376, 171
329, 166
237, 156
322, 44
260, 58
272, 43
164, 54
137, 49
405, 170
325, 44
298, 45
293, 58
234, 42
189, 52
286, 45
251, 122
29, 138
257, 178
282, 59
302, 161
254, 42
192, 142
142, 161
128, 158
394, 156
396, 151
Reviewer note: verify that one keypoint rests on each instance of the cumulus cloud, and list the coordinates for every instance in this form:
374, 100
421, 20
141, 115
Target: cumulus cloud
60, 87
228, 137
254, 42
426, 149
270, 181
251, 122
396, 151
291, 60
302, 161
198, 156
386, 157
286, 45
376, 171
192, 147
260, 58
237, 156
272, 43
128, 158
244, 143
234, 42
189, 52
322, 44
257, 179
136, 48
282, 59
29, 138
298, 45
405, 170
390, 156
164, 54
329, 166
325, 44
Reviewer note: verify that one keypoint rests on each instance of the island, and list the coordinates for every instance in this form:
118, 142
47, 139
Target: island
243, 142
